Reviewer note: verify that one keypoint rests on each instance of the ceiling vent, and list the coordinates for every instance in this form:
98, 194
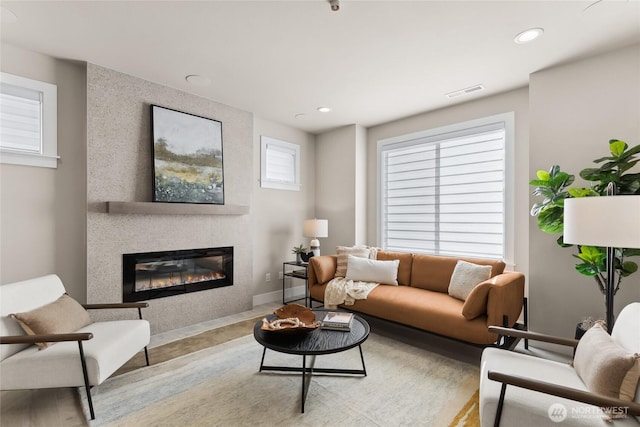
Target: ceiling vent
465, 91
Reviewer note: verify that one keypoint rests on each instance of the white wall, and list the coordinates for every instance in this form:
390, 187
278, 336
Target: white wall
575, 109
339, 185
277, 215
42, 209
516, 101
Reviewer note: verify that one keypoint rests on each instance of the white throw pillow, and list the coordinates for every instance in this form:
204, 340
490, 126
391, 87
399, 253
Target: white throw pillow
344, 251
465, 277
371, 270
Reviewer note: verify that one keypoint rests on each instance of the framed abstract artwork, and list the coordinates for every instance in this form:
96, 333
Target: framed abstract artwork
187, 158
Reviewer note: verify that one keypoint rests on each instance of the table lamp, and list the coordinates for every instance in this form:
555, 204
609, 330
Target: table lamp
605, 221
315, 228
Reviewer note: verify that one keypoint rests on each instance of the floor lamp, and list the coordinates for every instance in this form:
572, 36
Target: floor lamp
605, 221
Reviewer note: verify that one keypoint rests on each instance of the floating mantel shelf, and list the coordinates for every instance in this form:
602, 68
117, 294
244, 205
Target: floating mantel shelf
155, 208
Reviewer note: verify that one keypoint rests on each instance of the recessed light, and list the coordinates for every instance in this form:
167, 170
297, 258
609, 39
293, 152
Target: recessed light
528, 35
300, 116
197, 80
324, 109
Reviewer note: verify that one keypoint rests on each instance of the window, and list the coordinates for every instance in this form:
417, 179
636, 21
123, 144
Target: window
443, 191
28, 118
279, 164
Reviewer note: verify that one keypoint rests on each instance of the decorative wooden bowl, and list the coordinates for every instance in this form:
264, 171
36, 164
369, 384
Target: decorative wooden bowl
291, 318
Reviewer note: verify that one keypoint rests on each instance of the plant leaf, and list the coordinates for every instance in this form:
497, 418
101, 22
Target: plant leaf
586, 269
550, 220
628, 268
543, 175
617, 147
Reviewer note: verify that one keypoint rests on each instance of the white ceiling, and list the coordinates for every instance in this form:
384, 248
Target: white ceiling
371, 62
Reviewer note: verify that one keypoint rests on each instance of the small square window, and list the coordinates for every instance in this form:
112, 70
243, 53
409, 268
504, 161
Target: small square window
279, 164
28, 112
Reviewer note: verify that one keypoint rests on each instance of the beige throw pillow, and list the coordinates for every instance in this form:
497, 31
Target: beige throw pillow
343, 253
63, 316
465, 277
605, 367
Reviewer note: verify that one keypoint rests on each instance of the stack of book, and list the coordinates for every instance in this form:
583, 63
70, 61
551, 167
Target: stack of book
337, 321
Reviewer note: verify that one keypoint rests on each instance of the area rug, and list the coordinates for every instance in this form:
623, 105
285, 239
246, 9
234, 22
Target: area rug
221, 386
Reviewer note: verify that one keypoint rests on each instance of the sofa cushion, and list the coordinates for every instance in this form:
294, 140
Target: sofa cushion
433, 272
524, 407
467, 276
324, 267
430, 311
343, 253
65, 315
605, 367
476, 303
404, 269
24, 296
371, 270
113, 343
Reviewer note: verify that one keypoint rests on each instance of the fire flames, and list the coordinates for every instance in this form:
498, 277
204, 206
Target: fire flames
165, 282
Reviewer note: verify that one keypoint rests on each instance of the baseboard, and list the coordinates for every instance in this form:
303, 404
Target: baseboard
276, 296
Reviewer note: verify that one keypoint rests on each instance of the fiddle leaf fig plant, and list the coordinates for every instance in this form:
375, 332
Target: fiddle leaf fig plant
554, 187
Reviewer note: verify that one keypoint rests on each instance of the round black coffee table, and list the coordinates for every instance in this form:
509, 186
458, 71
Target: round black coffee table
314, 343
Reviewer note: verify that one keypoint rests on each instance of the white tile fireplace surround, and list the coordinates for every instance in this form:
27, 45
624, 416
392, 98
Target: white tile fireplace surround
119, 169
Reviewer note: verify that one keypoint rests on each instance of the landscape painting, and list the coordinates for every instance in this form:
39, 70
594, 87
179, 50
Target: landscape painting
187, 158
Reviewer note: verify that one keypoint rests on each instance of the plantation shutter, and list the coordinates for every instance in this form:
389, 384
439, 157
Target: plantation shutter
21, 118
444, 194
281, 164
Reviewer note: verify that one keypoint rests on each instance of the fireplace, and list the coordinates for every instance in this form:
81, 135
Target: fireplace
161, 274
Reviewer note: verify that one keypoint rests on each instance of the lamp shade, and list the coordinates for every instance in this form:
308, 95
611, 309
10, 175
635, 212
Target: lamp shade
607, 221
315, 228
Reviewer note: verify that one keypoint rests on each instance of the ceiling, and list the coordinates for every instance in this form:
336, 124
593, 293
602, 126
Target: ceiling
370, 62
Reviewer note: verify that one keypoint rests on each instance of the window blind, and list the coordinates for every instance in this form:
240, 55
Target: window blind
281, 164
444, 194
21, 118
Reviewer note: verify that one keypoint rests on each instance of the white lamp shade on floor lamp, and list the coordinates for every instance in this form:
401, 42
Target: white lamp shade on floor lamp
609, 221
605, 221
315, 228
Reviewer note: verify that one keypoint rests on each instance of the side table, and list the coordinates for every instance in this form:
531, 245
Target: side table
295, 271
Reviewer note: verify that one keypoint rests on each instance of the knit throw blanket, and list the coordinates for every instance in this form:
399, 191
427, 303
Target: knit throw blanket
345, 291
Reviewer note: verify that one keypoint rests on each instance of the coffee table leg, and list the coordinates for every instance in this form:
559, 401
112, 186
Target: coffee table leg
306, 379
364, 370
264, 350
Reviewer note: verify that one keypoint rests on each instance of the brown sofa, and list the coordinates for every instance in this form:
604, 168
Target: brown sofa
421, 299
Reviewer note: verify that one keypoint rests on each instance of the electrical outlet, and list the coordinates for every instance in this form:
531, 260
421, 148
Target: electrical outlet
267, 278
280, 275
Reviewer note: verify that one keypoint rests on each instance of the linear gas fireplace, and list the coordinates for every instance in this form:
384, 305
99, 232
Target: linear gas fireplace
161, 274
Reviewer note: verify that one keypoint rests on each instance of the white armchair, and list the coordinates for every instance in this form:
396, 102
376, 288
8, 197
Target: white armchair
518, 389
83, 357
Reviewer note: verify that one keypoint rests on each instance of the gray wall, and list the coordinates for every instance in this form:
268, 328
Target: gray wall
119, 169
340, 185
278, 214
575, 109
42, 217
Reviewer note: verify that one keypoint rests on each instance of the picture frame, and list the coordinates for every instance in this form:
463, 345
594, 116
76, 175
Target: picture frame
187, 157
